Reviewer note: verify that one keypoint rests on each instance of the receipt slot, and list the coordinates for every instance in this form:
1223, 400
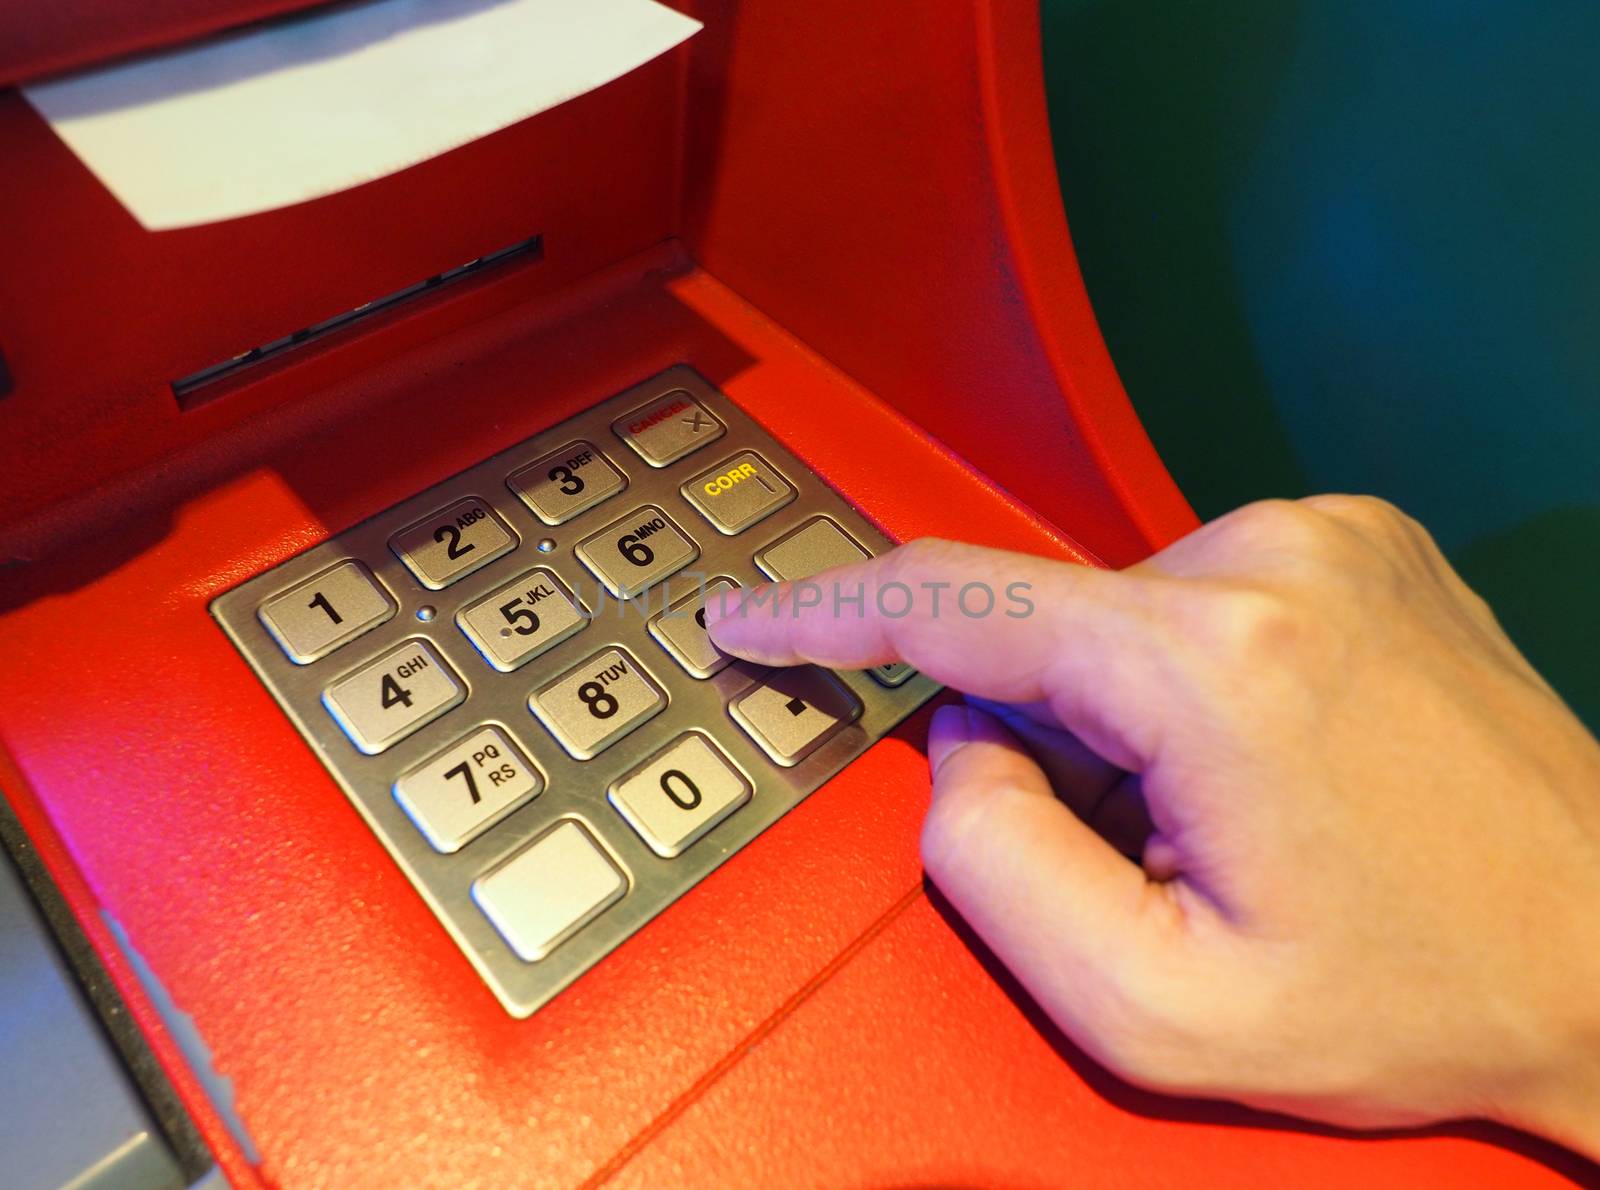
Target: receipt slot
353, 697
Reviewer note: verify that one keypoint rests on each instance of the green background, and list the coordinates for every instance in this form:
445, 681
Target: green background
1354, 245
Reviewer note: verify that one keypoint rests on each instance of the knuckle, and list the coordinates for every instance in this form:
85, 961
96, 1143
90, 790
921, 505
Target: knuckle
1254, 624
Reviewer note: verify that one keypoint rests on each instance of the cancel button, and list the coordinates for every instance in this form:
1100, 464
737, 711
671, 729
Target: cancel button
738, 492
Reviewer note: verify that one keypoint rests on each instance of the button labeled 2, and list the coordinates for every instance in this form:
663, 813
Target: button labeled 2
467, 788
679, 794
389, 698
453, 542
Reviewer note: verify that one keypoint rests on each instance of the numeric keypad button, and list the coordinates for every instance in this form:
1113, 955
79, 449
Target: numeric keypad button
467, 788
566, 482
815, 546
679, 794
896, 673
794, 712
392, 696
453, 542
313, 618
524, 618
637, 551
549, 890
681, 630
597, 703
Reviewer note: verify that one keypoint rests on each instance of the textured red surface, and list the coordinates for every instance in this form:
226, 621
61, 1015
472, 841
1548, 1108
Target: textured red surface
880, 187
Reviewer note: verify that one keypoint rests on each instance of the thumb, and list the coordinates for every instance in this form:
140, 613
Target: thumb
1056, 903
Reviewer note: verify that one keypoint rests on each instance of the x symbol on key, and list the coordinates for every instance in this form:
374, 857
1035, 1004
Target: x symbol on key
696, 423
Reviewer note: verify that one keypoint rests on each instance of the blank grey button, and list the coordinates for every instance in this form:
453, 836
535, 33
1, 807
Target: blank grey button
391, 697
668, 428
549, 890
453, 542
794, 711
467, 788
681, 630
597, 703
815, 546
738, 492
637, 551
522, 619
679, 794
566, 482
315, 617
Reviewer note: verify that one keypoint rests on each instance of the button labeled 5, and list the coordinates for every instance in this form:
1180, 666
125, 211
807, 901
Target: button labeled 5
453, 542
522, 619
467, 788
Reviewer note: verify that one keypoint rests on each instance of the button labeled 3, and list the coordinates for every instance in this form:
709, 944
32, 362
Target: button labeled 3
566, 482
794, 711
597, 703
522, 619
738, 492
453, 542
636, 552
668, 428
467, 788
389, 698
315, 617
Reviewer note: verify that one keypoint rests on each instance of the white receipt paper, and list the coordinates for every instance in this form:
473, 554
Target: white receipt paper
303, 107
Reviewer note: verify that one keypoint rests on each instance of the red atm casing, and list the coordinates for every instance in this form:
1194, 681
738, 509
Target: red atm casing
844, 215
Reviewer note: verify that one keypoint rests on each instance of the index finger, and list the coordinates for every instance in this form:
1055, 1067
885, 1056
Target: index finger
987, 622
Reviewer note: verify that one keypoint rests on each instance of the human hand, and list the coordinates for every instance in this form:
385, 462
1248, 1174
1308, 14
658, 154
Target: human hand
1368, 884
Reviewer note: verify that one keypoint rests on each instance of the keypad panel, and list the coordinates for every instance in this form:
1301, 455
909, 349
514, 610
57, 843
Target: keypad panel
465, 704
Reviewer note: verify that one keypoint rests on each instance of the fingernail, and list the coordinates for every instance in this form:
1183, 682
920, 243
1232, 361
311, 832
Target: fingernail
950, 729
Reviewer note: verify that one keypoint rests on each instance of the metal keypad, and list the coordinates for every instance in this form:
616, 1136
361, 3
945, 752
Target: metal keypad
541, 833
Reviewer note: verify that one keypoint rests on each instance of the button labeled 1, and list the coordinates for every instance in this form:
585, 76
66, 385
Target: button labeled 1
794, 711
453, 542
738, 492
389, 698
597, 703
314, 618
522, 619
467, 788
549, 890
636, 552
566, 482
679, 794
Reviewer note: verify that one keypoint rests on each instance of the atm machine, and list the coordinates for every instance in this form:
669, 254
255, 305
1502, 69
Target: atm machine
345, 847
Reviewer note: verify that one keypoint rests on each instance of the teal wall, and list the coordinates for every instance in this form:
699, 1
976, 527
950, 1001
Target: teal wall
1354, 245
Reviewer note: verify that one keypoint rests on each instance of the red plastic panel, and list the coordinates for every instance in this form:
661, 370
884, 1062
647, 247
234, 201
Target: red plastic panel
98, 316
913, 1066
902, 217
